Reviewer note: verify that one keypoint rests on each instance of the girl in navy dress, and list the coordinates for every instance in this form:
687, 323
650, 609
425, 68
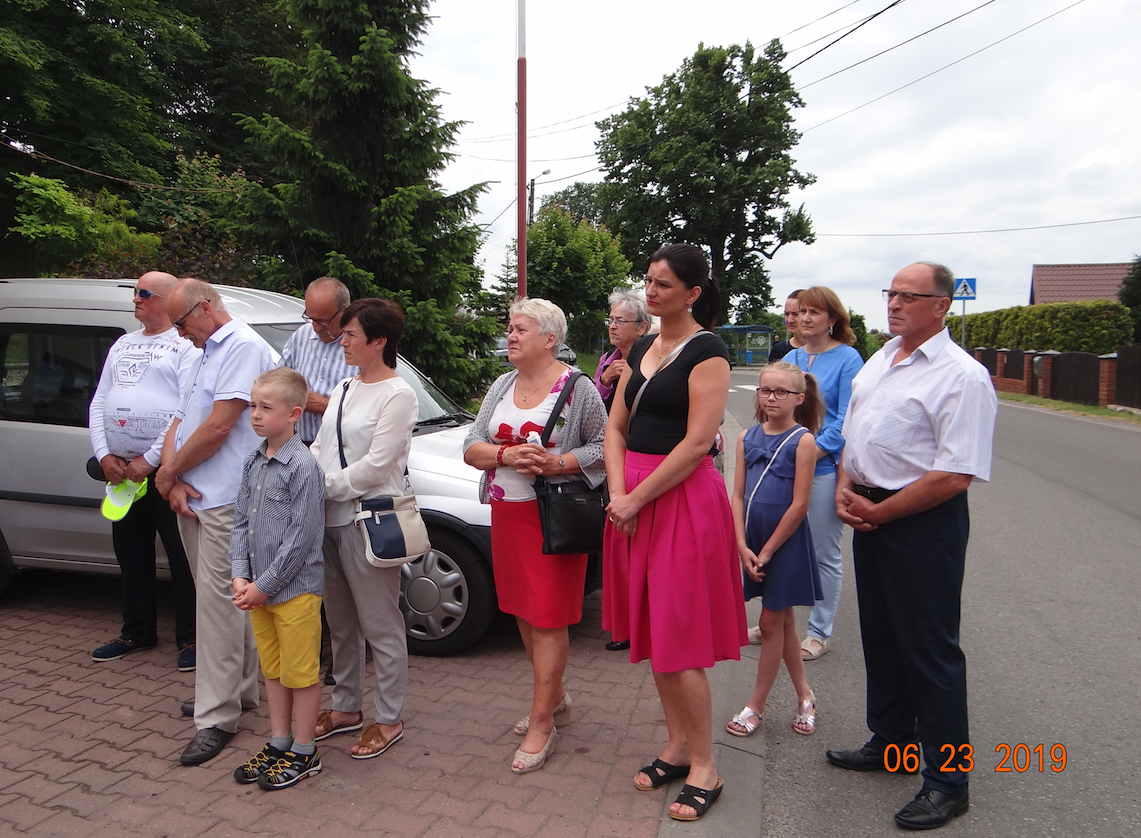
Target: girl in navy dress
773, 481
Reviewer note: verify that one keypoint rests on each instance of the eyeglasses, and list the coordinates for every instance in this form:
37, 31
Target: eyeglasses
180, 323
619, 321
779, 395
906, 296
146, 293
324, 324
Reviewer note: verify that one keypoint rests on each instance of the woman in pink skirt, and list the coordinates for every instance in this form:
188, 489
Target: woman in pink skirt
673, 583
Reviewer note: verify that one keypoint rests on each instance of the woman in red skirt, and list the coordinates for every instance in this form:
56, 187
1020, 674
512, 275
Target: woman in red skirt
672, 581
544, 592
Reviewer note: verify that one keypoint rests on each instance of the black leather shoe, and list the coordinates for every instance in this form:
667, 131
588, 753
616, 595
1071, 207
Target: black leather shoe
617, 645
867, 758
932, 809
206, 744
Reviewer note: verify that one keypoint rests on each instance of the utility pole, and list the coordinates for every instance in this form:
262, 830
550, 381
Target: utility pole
521, 155
531, 198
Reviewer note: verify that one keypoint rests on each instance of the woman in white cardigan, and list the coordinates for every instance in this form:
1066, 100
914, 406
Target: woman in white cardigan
375, 412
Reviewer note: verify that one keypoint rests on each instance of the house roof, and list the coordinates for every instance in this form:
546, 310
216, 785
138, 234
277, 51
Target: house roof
1070, 283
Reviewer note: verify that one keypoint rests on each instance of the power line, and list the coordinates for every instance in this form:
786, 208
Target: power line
806, 25
944, 67
891, 5
977, 232
897, 46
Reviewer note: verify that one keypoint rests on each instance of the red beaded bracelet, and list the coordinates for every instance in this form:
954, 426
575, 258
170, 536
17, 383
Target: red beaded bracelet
499, 454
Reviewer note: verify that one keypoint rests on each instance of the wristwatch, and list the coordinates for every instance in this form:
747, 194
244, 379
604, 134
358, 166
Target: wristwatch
562, 464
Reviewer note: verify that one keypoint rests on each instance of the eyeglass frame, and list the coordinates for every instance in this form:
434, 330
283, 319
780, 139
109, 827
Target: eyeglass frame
906, 296
145, 293
180, 323
619, 321
777, 393
324, 324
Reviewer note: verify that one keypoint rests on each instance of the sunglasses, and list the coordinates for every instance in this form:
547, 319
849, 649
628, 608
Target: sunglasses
146, 294
180, 323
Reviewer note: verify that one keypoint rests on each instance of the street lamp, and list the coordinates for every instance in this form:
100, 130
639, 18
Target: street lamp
531, 198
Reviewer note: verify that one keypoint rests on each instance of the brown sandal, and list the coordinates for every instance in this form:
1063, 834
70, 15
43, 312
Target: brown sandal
325, 723
373, 739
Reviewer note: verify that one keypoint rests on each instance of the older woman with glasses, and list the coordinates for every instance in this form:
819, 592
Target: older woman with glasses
628, 321
543, 591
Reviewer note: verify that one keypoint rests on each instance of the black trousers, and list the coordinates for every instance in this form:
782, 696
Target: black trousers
909, 581
134, 540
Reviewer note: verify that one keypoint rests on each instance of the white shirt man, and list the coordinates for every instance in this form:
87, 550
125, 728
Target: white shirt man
919, 430
205, 448
136, 399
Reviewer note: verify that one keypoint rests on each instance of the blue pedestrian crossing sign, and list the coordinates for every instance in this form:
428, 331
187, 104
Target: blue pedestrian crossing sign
965, 289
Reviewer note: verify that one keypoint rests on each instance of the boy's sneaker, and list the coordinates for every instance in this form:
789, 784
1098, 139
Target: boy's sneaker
187, 658
250, 770
117, 649
290, 769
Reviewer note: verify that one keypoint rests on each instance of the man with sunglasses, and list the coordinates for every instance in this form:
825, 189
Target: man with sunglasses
918, 432
202, 458
134, 403
315, 350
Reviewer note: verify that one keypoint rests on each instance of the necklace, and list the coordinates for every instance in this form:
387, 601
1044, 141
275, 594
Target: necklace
663, 352
542, 378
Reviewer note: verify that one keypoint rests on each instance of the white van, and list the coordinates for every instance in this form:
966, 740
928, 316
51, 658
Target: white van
54, 337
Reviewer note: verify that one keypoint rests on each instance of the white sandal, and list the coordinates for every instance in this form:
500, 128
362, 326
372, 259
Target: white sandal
562, 716
742, 721
806, 645
805, 716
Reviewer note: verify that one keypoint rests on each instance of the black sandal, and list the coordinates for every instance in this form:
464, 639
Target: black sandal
700, 799
660, 773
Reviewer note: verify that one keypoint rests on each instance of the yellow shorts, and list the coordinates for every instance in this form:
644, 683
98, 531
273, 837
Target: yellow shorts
289, 640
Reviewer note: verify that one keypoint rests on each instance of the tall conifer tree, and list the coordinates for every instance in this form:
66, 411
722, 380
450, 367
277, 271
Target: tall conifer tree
352, 193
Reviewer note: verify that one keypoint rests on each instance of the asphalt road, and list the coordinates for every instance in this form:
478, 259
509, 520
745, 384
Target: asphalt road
1053, 643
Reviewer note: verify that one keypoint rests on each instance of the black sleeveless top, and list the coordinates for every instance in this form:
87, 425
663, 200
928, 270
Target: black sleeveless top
663, 413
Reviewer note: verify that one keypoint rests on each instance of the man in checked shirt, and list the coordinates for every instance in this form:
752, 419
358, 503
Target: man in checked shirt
278, 576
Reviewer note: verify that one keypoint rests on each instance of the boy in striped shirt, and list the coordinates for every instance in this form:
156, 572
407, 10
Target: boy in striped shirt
278, 576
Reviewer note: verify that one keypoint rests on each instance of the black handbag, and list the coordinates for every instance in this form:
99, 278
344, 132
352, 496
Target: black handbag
571, 514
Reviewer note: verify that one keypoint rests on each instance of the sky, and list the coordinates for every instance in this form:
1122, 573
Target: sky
1038, 129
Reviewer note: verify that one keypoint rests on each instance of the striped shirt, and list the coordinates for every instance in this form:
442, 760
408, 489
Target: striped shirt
933, 411
322, 364
279, 523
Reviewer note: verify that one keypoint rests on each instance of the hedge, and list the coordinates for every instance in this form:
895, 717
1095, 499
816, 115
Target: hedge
1098, 326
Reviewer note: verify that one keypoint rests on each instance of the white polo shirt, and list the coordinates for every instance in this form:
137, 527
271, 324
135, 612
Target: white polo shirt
933, 411
231, 359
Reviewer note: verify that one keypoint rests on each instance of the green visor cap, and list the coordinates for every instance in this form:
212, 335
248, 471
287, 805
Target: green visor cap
119, 498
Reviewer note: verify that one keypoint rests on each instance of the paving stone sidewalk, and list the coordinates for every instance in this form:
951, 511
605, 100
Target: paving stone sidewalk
91, 748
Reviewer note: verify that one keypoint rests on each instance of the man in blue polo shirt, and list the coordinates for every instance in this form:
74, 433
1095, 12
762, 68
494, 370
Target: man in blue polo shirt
205, 446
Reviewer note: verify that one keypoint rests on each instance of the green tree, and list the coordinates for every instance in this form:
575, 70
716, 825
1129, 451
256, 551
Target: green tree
583, 201
1130, 295
355, 149
575, 265
860, 330
705, 158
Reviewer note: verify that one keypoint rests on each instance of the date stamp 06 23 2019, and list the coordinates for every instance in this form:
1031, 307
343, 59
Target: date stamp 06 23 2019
1019, 758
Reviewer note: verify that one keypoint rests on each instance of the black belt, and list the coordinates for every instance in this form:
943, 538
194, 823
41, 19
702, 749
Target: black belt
874, 493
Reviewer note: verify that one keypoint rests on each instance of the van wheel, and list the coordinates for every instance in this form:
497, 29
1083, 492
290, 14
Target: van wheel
447, 596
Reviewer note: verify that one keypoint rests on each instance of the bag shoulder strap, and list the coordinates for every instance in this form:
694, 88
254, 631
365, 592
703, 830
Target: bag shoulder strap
340, 412
568, 387
673, 354
795, 432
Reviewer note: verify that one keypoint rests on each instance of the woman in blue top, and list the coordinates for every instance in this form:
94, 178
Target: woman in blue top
827, 353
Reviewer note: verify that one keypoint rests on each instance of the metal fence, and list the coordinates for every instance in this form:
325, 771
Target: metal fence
1014, 364
1074, 378
989, 360
1129, 375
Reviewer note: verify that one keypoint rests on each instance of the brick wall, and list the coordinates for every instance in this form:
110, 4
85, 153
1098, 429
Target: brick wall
1107, 375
